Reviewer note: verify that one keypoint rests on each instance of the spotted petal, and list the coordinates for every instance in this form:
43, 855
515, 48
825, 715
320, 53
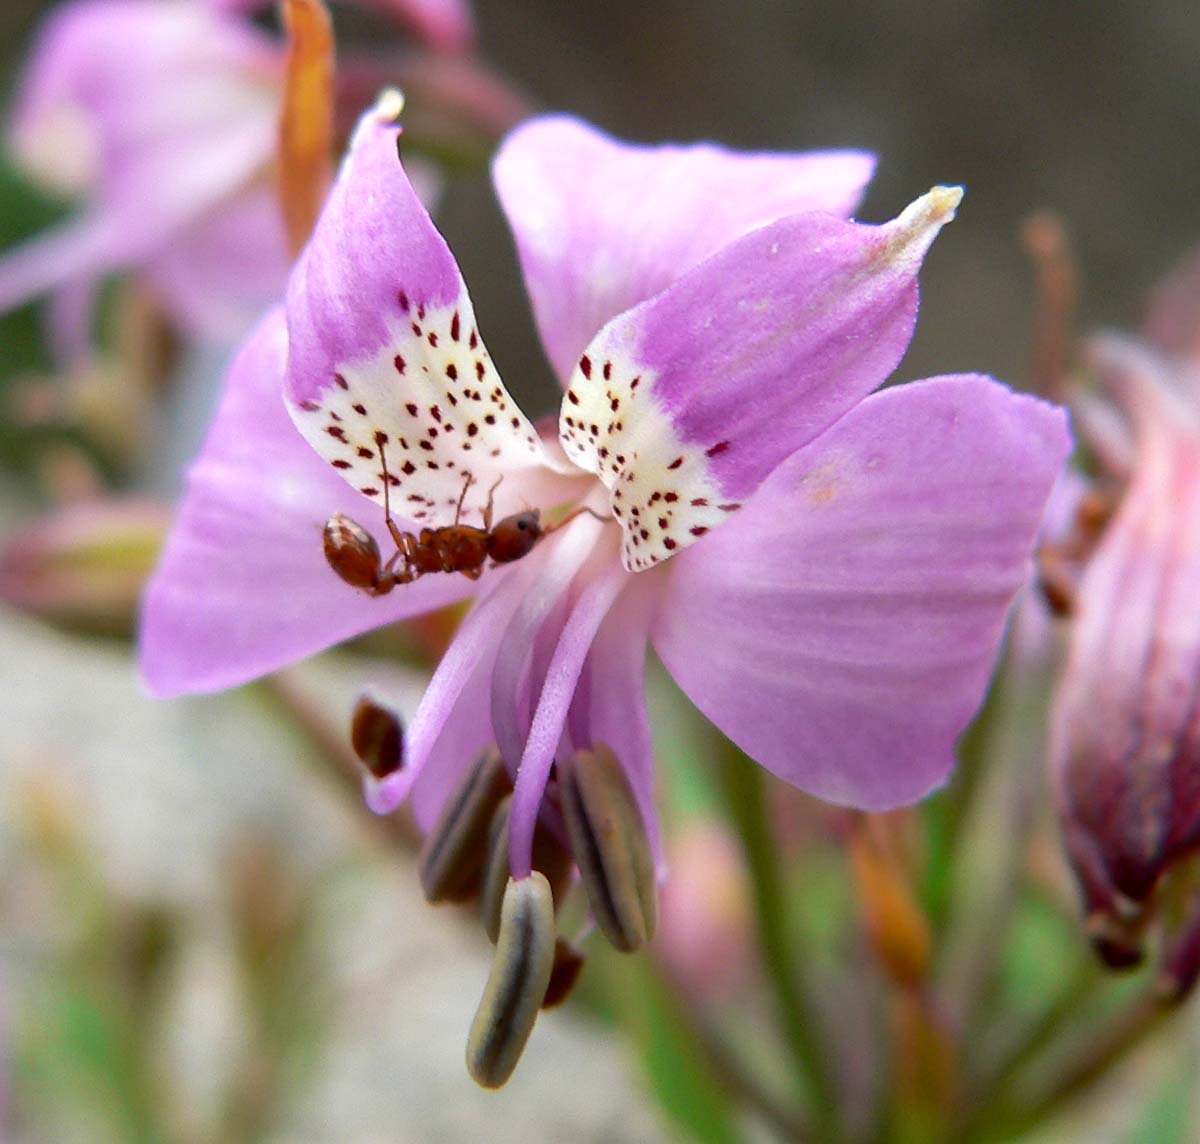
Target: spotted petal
387, 376
242, 587
602, 225
841, 628
684, 404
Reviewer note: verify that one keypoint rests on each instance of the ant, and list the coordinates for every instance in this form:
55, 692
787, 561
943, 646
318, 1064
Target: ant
354, 555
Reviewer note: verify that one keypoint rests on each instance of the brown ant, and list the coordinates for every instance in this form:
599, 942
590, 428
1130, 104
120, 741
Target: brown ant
354, 555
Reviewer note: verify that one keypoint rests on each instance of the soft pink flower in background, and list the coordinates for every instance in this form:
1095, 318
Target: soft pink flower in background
825, 572
162, 118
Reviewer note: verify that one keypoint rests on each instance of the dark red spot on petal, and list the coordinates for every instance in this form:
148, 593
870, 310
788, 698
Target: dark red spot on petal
416, 330
309, 406
341, 381
719, 447
572, 397
670, 498
408, 468
427, 446
363, 451
607, 370
732, 506
399, 363
698, 530
435, 413
455, 328
370, 491
411, 406
402, 298
700, 502
381, 438
675, 463
585, 366
668, 543
361, 410
635, 383
490, 419
340, 464
336, 432
479, 372
452, 371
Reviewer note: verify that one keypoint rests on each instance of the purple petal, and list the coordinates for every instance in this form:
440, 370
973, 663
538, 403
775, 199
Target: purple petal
243, 587
219, 274
684, 404
602, 225
158, 110
842, 627
387, 377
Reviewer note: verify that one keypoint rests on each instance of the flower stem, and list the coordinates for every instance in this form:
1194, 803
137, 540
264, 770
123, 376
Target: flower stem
744, 788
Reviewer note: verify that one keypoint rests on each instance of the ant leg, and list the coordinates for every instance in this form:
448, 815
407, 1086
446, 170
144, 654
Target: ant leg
393, 527
571, 516
487, 512
462, 497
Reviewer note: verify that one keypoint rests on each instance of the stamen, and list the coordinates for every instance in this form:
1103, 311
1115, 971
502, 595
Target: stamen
377, 736
517, 984
610, 846
451, 864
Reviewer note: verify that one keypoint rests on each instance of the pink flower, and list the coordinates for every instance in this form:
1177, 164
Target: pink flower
824, 571
1125, 745
163, 117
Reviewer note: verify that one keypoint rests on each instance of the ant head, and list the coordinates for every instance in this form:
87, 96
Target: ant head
514, 536
351, 551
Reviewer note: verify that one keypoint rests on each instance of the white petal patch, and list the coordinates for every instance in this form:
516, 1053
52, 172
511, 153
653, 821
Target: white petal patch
423, 414
660, 490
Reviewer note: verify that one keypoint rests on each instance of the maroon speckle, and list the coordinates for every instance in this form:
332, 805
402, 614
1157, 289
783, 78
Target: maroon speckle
572, 397
432, 339
370, 491
416, 329
474, 340
655, 498
452, 371
719, 447
643, 534
361, 410
516, 422
479, 372
698, 530
675, 463
340, 464
421, 313
435, 413
670, 498
635, 383
381, 438
334, 416
341, 381
363, 451
668, 543
700, 502
733, 506
455, 329
451, 398
432, 465
432, 432
309, 406
412, 408
335, 432
408, 468
399, 363
402, 298
472, 429
607, 370
427, 446
585, 366
490, 419
615, 404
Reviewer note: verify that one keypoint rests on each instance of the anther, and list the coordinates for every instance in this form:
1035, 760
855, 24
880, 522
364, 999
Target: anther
550, 858
517, 984
568, 965
452, 859
377, 736
610, 846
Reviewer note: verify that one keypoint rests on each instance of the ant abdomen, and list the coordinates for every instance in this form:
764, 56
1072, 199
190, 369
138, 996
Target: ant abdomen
352, 553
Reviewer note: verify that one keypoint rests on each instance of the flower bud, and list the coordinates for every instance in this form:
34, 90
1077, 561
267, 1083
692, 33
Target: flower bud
1125, 744
452, 860
377, 736
515, 988
610, 846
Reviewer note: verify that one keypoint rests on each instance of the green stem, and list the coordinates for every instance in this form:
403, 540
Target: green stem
744, 787
1086, 1060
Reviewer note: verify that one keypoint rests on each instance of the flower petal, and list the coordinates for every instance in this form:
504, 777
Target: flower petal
387, 377
243, 586
842, 627
684, 404
602, 225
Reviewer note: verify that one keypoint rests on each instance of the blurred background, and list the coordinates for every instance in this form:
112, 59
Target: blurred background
200, 936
